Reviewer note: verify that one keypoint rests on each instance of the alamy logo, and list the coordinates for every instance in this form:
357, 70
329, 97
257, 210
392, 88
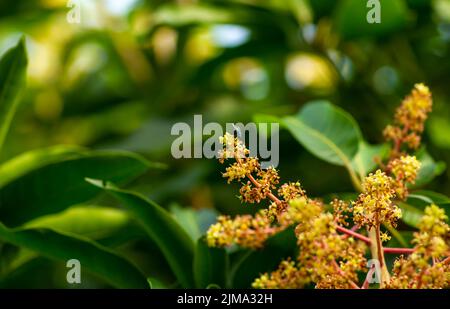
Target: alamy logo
374, 14
74, 274
189, 143
74, 14
374, 274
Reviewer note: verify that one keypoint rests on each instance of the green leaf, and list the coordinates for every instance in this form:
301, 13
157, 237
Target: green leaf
363, 162
254, 263
156, 284
26, 162
429, 168
57, 246
439, 131
56, 185
89, 221
171, 238
413, 208
194, 221
96, 223
187, 219
13, 67
328, 132
210, 265
410, 214
425, 198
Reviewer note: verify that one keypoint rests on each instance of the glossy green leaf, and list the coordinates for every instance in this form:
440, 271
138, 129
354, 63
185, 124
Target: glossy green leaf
89, 221
410, 215
254, 263
31, 160
429, 168
187, 219
171, 238
59, 184
326, 131
96, 223
429, 197
13, 66
413, 208
156, 284
210, 265
439, 131
364, 161
96, 259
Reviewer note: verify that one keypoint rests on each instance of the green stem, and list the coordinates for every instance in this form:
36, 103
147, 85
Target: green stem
354, 178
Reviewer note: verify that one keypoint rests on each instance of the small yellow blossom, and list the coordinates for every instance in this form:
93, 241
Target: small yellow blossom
385, 237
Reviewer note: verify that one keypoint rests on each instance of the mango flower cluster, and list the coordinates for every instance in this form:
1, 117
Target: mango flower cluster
403, 171
326, 258
409, 120
246, 230
432, 243
374, 205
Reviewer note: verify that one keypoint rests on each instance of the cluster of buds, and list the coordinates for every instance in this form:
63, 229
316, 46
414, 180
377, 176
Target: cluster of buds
286, 276
265, 182
277, 210
342, 211
260, 182
246, 231
326, 258
374, 205
403, 170
432, 243
409, 120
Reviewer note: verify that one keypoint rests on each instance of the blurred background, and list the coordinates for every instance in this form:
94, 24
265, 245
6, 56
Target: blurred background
130, 69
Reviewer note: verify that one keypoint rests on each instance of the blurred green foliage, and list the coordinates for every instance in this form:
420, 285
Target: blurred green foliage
130, 69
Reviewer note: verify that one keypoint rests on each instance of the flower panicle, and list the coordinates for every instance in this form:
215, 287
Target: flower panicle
286, 276
431, 243
403, 170
374, 205
244, 230
409, 120
325, 257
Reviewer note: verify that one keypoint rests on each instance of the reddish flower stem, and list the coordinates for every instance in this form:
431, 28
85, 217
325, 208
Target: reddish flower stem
398, 250
257, 184
353, 234
367, 241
